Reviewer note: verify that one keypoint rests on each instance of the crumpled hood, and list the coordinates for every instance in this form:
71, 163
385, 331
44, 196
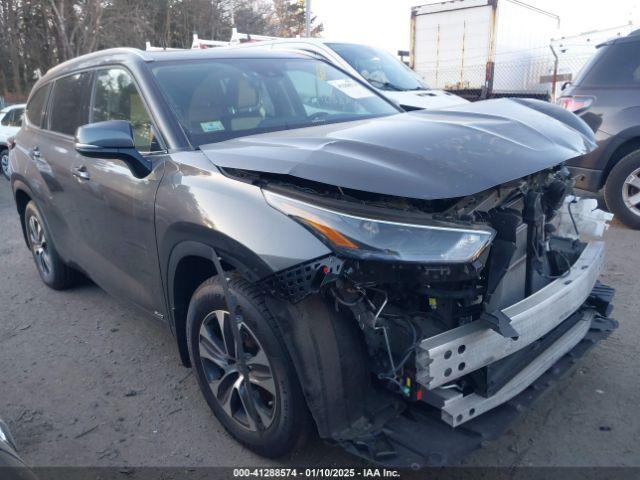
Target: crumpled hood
428, 154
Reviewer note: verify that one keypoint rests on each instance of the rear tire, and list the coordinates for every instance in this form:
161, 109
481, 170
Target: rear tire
622, 190
52, 269
282, 411
4, 162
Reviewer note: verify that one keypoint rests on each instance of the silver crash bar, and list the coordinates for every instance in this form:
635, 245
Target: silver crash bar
457, 409
457, 352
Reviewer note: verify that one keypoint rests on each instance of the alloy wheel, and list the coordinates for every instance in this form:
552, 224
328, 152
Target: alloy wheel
218, 355
631, 192
4, 162
39, 247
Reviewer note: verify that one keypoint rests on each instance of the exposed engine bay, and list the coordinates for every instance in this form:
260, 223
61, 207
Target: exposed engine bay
399, 304
463, 336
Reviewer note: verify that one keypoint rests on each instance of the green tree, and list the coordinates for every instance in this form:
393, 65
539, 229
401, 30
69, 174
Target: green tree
290, 20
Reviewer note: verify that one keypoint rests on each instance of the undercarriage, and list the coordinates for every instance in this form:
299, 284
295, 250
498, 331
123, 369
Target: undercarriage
450, 349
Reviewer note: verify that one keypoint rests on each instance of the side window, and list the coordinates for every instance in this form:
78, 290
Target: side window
70, 103
7, 120
35, 107
13, 118
117, 98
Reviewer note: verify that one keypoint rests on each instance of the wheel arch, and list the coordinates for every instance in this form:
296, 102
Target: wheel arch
629, 145
327, 349
22, 195
190, 262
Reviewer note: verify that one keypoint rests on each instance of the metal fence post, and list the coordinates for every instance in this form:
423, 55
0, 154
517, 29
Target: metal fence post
554, 79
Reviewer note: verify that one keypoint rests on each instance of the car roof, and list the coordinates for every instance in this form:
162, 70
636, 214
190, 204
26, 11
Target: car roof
634, 36
310, 40
119, 55
12, 107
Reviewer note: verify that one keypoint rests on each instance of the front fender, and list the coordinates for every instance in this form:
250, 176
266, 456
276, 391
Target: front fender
333, 367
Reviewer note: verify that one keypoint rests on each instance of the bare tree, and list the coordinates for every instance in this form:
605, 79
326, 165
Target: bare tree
38, 34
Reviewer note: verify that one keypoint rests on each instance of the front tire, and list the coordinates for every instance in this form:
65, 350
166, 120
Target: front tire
52, 269
281, 421
4, 162
622, 190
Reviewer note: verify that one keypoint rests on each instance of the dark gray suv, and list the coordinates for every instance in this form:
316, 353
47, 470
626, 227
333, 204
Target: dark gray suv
606, 94
398, 282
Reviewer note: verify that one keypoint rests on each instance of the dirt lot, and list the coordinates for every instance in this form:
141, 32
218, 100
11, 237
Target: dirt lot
88, 381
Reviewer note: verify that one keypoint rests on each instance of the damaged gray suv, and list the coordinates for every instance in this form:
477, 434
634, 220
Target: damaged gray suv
399, 282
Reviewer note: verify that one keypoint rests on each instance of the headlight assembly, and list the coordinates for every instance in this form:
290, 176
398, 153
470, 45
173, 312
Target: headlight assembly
371, 238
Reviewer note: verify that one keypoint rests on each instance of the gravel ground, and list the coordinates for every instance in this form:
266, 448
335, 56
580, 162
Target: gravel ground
89, 381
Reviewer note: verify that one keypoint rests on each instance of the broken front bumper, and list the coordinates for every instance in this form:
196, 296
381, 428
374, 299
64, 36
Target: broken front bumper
419, 437
460, 351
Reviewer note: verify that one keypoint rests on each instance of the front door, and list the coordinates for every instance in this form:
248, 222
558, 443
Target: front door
116, 209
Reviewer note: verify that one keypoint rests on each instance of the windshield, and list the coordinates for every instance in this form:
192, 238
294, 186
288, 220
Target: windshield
379, 67
220, 99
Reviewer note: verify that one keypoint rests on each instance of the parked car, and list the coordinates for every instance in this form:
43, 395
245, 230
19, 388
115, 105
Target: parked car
606, 94
323, 259
10, 121
376, 66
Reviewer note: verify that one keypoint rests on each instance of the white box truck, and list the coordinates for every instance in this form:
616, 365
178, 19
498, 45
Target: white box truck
483, 48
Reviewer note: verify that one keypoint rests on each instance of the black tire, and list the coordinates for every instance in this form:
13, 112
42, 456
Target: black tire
291, 421
4, 162
53, 272
615, 188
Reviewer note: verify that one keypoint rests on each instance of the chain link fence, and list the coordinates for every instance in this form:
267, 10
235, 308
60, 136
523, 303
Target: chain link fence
538, 73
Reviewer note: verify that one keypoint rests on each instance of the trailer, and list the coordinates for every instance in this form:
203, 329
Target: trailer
483, 48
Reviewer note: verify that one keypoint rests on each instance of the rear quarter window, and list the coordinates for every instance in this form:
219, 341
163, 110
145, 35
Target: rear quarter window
35, 107
616, 65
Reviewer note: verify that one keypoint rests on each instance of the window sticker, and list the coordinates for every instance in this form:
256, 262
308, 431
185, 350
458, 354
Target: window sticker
321, 72
351, 88
214, 126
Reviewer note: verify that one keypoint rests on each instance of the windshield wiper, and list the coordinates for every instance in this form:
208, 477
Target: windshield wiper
385, 85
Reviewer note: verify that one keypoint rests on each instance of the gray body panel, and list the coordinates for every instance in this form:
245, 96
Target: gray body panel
114, 212
193, 195
614, 117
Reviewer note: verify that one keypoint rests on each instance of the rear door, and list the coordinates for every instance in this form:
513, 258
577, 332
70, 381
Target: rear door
116, 209
53, 114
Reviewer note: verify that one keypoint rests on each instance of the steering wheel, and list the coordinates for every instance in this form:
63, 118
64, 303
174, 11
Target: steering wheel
318, 116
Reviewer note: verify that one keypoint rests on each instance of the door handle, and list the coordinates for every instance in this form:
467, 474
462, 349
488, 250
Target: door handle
81, 172
35, 153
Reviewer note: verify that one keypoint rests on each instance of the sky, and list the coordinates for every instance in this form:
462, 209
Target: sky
385, 23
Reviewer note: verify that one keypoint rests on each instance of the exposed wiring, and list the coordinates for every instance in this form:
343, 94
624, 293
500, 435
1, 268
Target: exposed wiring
411, 349
573, 220
395, 368
344, 302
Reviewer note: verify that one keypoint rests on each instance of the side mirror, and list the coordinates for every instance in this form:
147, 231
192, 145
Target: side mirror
112, 139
